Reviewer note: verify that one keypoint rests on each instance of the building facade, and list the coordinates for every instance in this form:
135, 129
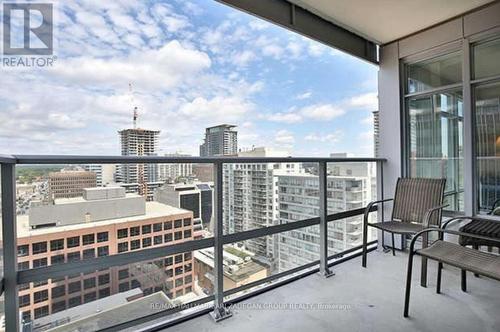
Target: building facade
157, 225
220, 140
173, 172
69, 183
249, 198
196, 197
139, 178
298, 197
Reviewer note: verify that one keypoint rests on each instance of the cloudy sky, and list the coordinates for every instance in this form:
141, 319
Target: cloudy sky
192, 65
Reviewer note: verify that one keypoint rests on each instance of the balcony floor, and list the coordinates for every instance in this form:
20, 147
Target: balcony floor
375, 296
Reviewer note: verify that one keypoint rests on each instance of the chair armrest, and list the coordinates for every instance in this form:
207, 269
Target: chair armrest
442, 231
495, 203
379, 201
455, 219
371, 204
430, 212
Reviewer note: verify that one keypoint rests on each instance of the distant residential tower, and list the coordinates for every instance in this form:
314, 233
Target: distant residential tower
220, 140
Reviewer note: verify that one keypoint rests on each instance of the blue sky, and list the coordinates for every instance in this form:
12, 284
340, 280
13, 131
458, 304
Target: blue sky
192, 65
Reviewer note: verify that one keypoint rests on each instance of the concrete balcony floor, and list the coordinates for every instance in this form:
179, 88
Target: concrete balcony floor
375, 296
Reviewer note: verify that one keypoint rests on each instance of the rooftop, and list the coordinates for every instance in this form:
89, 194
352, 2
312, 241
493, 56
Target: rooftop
94, 318
225, 125
153, 210
368, 299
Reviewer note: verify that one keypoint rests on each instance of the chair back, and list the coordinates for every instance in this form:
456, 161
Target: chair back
415, 196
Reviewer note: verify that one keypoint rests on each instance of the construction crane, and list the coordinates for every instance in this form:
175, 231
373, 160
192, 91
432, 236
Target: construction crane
141, 180
132, 101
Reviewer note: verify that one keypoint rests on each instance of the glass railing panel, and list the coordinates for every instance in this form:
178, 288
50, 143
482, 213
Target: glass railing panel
115, 295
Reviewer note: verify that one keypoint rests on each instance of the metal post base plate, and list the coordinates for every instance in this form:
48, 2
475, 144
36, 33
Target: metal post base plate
327, 274
220, 314
385, 249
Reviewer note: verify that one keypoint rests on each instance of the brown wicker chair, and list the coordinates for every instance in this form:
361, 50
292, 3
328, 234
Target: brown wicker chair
453, 254
418, 204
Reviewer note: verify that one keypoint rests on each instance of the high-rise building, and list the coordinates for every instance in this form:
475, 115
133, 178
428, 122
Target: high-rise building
249, 198
140, 178
196, 197
70, 183
220, 140
104, 173
105, 221
97, 169
298, 197
172, 172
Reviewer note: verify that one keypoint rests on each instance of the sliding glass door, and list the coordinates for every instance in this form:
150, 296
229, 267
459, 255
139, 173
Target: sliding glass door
486, 95
434, 117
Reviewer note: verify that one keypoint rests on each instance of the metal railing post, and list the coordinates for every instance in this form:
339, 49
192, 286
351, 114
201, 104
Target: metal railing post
9, 232
323, 223
220, 311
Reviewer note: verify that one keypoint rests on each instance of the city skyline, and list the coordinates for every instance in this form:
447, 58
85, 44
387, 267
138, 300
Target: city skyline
257, 77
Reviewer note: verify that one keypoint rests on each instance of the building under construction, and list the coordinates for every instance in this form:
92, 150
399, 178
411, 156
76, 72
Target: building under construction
140, 178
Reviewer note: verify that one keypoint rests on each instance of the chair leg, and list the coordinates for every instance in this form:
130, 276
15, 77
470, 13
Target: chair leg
408, 284
438, 283
423, 272
475, 246
393, 250
365, 235
464, 280
384, 248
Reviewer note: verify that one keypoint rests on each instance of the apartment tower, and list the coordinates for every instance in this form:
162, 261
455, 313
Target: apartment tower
221, 140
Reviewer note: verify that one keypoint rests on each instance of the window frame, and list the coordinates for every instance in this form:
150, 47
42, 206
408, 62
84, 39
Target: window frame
468, 85
475, 84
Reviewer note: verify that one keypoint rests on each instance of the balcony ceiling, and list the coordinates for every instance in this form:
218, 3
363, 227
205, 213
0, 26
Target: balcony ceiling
383, 21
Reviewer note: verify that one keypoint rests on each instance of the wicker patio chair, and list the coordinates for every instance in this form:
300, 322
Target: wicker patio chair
418, 203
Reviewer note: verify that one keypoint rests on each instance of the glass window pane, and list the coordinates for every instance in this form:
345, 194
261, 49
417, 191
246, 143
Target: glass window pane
433, 73
486, 59
436, 141
488, 146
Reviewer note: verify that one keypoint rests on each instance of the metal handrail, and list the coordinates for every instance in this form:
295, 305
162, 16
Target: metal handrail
62, 159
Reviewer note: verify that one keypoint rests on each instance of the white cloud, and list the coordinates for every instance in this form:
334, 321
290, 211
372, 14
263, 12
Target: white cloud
284, 117
258, 25
295, 49
284, 137
321, 112
316, 49
192, 8
243, 58
217, 109
304, 95
274, 51
368, 120
330, 138
175, 24
154, 69
366, 143
367, 100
